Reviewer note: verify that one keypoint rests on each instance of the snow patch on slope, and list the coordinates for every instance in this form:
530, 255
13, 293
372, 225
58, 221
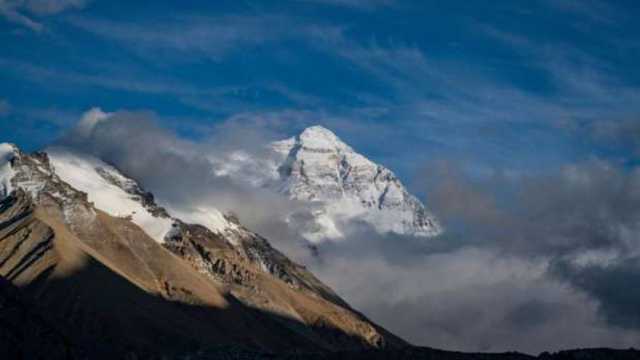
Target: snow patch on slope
209, 217
117, 195
84, 173
320, 138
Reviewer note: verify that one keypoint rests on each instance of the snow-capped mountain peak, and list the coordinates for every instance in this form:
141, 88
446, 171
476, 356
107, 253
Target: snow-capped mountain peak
319, 137
340, 186
343, 185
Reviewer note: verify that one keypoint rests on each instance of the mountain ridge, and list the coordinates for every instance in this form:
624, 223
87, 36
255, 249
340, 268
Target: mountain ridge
251, 279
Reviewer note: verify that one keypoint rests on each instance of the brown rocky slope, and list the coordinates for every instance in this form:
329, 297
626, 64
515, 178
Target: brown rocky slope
103, 284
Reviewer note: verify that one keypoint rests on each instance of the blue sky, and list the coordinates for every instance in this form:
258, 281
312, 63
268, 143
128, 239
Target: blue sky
511, 85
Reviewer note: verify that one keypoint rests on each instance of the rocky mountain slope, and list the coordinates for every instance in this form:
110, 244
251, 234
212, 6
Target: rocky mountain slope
340, 186
96, 255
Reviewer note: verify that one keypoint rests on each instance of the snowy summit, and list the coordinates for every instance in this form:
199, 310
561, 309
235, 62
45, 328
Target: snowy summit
341, 186
317, 166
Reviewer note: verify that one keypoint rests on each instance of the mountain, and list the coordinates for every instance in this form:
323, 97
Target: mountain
92, 268
111, 273
340, 186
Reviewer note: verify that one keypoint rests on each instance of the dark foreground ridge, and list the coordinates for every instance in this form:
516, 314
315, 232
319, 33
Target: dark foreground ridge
433, 354
27, 333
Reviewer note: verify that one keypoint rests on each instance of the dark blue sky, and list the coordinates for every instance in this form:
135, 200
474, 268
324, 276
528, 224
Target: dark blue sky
512, 85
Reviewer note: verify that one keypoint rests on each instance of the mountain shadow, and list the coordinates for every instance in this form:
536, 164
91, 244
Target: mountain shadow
98, 314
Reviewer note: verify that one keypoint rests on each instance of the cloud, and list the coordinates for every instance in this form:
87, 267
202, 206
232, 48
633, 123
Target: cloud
13, 10
584, 82
5, 108
51, 7
594, 10
610, 285
188, 38
468, 298
582, 218
529, 262
586, 206
202, 36
48, 75
356, 4
10, 13
217, 100
624, 133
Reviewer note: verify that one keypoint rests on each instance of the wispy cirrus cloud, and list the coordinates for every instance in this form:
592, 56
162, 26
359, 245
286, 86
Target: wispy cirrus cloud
216, 99
47, 75
5, 107
594, 10
574, 71
190, 37
20, 11
588, 92
357, 4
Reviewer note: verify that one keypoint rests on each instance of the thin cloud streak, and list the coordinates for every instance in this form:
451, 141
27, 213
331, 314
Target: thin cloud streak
5, 108
13, 10
200, 36
356, 4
